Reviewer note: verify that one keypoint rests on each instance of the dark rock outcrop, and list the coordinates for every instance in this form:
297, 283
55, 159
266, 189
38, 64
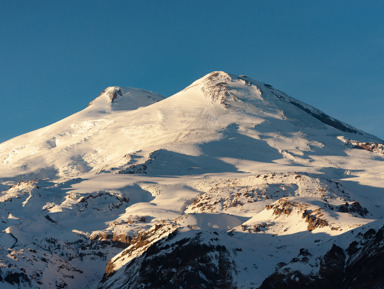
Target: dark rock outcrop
330, 274
353, 207
177, 261
359, 266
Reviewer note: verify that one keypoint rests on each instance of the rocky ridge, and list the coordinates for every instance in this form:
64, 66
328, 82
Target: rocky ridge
229, 183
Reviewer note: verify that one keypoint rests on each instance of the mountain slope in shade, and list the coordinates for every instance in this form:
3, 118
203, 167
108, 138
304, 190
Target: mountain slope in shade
229, 183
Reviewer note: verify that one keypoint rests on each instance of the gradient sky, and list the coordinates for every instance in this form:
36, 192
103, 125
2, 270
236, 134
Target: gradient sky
56, 56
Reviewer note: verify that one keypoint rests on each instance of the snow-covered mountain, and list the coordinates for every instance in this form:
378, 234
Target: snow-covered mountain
229, 183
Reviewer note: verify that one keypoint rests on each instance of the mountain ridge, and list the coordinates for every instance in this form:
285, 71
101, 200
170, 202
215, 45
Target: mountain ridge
229, 183
261, 104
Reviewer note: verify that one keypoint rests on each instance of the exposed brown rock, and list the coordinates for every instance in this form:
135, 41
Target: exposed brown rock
314, 220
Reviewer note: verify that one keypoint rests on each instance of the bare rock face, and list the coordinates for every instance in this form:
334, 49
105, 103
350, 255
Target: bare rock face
282, 207
15, 278
366, 260
115, 98
358, 266
216, 87
368, 146
111, 93
181, 260
314, 220
330, 274
354, 208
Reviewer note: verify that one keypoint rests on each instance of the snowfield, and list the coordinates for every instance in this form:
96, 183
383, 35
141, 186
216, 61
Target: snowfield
229, 183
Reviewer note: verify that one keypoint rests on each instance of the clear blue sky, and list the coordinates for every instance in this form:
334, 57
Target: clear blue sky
56, 56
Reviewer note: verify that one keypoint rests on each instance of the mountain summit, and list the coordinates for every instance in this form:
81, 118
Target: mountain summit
229, 183
120, 98
123, 122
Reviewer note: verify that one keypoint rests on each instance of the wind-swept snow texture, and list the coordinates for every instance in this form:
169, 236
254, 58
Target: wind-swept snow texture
230, 183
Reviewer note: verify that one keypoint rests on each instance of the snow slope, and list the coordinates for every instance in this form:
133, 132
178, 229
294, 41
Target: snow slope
231, 170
